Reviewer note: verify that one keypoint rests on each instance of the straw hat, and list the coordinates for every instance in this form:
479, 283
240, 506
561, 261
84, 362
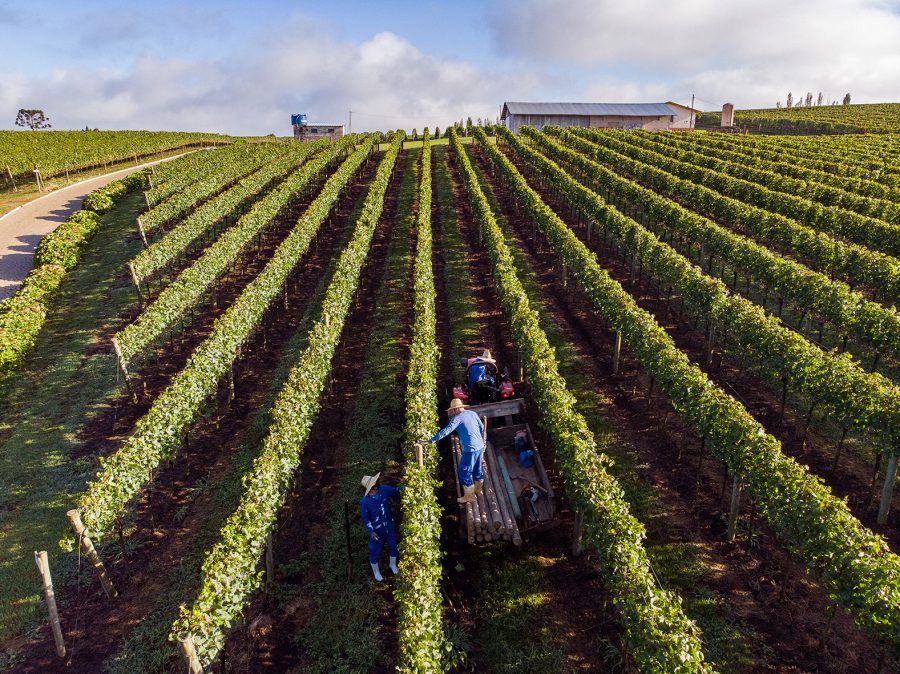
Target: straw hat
486, 356
456, 404
370, 481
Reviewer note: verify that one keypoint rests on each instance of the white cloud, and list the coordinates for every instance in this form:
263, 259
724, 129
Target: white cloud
749, 53
385, 80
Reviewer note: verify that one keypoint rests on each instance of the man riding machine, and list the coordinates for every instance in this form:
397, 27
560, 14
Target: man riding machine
483, 381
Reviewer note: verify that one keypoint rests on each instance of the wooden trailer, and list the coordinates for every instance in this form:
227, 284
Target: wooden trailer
516, 499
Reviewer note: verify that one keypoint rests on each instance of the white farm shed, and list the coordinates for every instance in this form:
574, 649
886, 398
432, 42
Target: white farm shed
651, 116
685, 115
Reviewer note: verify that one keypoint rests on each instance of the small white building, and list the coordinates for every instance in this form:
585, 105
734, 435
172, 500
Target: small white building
685, 116
650, 116
308, 132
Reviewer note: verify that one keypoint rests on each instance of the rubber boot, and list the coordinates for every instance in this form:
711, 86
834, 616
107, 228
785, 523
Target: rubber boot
479, 486
468, 494
394, 566
376, 572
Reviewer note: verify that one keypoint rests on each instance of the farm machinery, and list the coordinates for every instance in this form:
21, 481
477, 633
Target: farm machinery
517, 496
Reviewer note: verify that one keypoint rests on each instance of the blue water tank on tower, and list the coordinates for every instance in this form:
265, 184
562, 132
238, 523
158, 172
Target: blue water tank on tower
298, 120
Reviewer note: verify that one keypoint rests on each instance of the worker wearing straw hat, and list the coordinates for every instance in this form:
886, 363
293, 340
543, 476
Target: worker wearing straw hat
478, 370
379, 521
470, 431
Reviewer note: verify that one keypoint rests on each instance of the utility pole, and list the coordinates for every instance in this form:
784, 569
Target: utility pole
692, 112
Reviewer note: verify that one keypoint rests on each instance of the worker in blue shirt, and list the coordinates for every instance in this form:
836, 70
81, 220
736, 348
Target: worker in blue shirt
471, 436
479, 371
379, 521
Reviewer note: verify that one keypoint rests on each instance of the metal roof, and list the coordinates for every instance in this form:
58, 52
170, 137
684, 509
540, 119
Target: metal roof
583, 109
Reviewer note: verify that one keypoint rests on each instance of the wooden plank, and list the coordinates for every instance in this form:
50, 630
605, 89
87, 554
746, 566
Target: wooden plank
540, 467
500, 409
511, 492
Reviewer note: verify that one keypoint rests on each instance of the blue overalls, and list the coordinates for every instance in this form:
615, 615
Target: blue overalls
469, 429
377, 518
478, 372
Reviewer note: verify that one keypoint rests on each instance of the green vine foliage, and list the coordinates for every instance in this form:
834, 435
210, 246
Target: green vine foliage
55, 152
865, 401
814, 162
182, 173
154, 259
222, 168
852, 262
159, 433
848, 310
418, 593
174, 302
858, 157
857, 566
818, 186
661, 638
870, 232
230, 568
22, 316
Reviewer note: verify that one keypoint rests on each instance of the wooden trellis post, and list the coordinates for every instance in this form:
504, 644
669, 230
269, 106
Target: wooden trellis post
91, 552
140, 226
137, 284
190, 654
11, 179
43, 565
617, 352
120, 362
888, 492
578, 534
735, 508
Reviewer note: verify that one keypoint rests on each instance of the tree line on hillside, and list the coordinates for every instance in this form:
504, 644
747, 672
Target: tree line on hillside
807, 101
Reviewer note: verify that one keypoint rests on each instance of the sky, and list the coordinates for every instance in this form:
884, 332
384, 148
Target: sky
243, 68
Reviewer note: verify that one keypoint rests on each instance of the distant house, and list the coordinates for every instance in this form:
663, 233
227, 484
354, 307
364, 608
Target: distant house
684, 115
652, 116
316, 131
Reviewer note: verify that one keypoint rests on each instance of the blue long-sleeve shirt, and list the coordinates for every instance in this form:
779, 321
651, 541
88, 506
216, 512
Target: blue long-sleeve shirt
469, 428
376, 511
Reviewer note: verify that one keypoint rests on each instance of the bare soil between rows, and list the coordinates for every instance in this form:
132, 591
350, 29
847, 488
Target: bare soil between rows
578, 610
168, 517
800, 629
265, 642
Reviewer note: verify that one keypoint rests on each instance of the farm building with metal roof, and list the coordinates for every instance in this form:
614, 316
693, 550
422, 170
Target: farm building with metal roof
653, 116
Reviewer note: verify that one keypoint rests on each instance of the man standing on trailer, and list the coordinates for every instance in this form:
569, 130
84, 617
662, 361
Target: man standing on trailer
379, 521
471, 436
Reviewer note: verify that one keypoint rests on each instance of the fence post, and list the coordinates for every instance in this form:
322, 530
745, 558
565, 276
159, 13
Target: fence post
88, 547
888, 492
13, 180
121, 364
190, 654
617, 350
270, 561
578, 534
735, 508
43, 565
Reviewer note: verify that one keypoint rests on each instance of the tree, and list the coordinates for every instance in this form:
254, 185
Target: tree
821, 99
437, 132
790, 100
35, 119
809, 99
846, 99
778, 104
415, 135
